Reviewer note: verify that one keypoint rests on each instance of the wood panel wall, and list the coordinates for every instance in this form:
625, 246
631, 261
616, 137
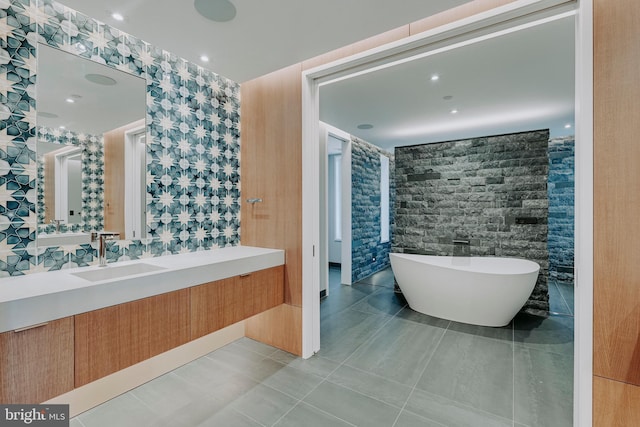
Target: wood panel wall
616, 352
114, 177
271, 150
615, 404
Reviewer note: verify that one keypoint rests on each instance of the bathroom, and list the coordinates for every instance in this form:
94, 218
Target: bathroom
483, 194
184, 215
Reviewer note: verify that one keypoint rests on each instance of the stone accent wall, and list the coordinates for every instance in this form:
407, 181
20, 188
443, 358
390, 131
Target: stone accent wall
368, 254
490, 190
561, 208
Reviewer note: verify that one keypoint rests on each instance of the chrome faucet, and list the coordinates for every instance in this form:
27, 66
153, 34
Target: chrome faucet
102, 237
57, 222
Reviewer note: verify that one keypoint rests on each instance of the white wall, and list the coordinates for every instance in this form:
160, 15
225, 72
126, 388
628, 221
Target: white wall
335, 246
75, 190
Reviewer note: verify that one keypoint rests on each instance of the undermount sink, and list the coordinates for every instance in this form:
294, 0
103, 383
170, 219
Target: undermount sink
116, 272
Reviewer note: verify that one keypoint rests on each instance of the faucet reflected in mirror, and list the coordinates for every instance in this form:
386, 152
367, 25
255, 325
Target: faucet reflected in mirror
57, 223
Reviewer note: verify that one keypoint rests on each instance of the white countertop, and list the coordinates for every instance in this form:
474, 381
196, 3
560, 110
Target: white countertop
42, 297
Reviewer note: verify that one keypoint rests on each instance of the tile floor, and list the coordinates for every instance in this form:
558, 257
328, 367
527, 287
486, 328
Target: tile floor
381, 364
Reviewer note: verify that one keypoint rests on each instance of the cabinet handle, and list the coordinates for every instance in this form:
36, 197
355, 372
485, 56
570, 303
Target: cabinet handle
26, 328
245, 275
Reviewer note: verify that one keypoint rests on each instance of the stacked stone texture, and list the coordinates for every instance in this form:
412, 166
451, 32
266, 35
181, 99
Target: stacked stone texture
561, 208
491, 191
368, 254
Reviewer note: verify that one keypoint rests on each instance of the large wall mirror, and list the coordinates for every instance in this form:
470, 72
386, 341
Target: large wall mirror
90, 149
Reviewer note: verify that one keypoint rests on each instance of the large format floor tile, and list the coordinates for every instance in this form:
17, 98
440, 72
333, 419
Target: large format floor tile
308, 416
264, 403
123, 411
399, 352
557, 302
543, 387
553, 333
567, 292
371, 385
451, 413
408, 419
292, 381
474, 371
352, 406
170, 394
344, 332
340, 297
384, 300
228, 417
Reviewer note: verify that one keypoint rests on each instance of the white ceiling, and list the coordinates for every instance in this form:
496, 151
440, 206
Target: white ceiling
97, 108
265, 35
516, 82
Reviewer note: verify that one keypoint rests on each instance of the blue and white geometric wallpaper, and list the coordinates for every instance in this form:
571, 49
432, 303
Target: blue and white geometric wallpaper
193, 141
92, 214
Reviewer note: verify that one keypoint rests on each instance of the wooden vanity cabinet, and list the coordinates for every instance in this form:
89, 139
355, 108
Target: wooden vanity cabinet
36, 364
218, 304
113, 338
45, 361
267, 289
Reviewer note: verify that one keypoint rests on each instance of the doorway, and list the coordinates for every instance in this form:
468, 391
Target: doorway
135, 212
449, 37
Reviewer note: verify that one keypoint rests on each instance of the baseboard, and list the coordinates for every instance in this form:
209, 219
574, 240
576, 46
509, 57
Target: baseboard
97, 392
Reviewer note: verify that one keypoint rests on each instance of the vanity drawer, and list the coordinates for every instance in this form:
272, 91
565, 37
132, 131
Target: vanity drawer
113, 338
218, 304
36, 363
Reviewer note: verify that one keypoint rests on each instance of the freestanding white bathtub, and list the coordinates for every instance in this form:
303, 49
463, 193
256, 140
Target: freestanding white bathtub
486, 291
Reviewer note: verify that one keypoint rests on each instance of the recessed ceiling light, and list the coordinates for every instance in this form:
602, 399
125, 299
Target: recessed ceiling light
216, 10
447, 97
117, 16
100, 79
62, 127
70, 100
365, 126
567, 126
435, 77
454, 111
204, 58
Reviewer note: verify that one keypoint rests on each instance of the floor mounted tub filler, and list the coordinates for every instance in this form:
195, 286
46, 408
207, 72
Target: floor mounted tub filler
486, 291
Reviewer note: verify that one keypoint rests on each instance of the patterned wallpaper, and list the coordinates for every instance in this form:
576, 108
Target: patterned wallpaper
92, 179
193, 151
